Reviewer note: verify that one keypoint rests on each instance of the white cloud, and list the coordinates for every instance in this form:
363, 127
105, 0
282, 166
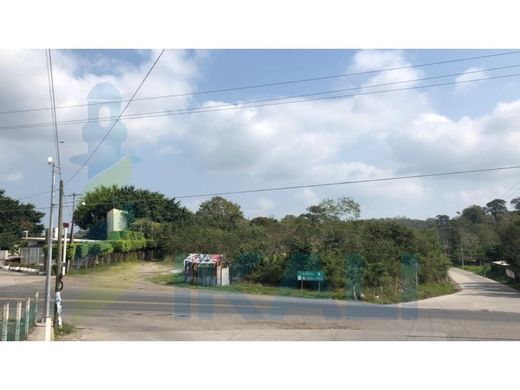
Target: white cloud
23, 77
470, 74
307, 196
368, 136
14, 177
265, 204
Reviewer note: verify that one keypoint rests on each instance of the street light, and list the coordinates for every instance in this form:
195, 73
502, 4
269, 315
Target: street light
46, 313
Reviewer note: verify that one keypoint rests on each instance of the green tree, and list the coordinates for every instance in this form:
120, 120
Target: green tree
516, 203
328, 210
443, 225
149, 228
510, 239
139, 203
221, 213
496, 208
474, 214
15, 217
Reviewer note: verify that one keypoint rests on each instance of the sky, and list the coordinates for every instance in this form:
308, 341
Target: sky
470, 125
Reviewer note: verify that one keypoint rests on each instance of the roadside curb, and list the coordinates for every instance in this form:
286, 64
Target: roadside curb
455, 285
25, 270
38, 332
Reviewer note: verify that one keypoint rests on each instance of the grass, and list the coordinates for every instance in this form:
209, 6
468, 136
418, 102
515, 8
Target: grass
371, 295
65, 330
492, 273
117, 275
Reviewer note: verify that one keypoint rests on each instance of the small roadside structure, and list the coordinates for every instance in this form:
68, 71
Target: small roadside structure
117, 221
206, 269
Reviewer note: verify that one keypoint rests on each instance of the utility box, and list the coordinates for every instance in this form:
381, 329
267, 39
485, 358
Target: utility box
117, 221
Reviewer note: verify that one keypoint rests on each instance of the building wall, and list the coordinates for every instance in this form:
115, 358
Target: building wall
225, 277
116, 221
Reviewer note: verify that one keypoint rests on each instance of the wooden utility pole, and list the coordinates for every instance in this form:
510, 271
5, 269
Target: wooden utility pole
59, 255
72, 222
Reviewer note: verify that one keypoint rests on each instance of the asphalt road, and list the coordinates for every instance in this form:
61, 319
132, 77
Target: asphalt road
140, 310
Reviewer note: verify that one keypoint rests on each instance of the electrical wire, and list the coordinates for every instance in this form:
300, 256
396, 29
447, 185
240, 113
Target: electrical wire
273, 84
337, 183
279, 100
342, 96
510, 191
117, 120
53, 106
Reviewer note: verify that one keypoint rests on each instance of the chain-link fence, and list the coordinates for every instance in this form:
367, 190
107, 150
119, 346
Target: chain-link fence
18, 318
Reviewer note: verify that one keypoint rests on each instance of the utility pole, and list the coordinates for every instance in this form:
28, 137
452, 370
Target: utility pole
58, 284
46, 308
72, 222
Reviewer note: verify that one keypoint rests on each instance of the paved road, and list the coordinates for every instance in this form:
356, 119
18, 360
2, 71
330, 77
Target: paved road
477, 294
140, 310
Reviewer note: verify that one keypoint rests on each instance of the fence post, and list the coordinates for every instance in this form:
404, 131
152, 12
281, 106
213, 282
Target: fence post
35, 306
18, 321
5, 321
27, 316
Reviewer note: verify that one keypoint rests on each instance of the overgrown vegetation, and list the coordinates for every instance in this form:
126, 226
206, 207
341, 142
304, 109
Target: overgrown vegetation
386, 258
495, 273
375, 295
378, 257
480, 235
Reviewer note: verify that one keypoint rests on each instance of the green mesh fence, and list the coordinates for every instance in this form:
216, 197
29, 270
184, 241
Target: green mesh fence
11, 325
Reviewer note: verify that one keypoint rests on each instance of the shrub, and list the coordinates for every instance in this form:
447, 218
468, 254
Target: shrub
82, 250
112, 236
125, 235
100, 249
71, 251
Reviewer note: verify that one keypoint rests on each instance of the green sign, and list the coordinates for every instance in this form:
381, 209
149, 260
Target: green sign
315, 276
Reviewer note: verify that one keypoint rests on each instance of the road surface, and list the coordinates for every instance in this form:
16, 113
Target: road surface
130, 307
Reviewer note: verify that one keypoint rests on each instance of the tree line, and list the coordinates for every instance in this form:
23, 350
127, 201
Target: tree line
328, 237
482, 234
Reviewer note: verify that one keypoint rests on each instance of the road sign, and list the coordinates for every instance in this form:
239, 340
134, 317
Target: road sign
315, 276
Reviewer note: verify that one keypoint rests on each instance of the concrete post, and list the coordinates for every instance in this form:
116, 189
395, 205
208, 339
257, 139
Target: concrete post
18, 321
46, 308
5, 321
27, 316
35, 305
64, 262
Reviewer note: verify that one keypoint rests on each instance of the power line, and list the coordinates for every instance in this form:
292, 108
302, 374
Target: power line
329, 97
514, 192
329, 184
33, 195
53, 106
449, 173
273, 84
119, 117
279, 100
510, 191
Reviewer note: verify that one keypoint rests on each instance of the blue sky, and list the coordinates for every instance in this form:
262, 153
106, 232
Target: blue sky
454, 127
